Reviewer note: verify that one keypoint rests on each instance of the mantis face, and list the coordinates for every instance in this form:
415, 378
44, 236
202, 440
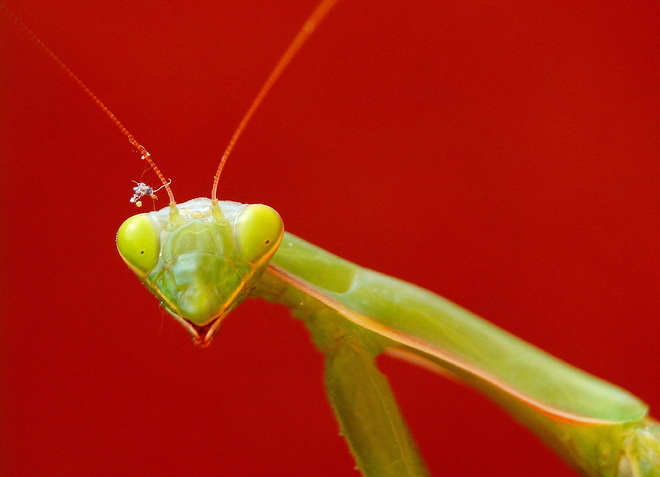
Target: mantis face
201, 258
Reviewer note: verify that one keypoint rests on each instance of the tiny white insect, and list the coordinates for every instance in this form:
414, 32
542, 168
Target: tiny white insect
141, 189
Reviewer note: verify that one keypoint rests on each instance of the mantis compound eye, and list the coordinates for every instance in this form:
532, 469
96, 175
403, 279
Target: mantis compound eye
138, 242
259, 231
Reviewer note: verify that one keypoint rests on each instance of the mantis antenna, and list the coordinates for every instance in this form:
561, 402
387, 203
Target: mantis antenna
140, 148
307, 29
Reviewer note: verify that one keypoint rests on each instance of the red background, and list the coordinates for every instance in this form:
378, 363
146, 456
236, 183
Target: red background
503, 154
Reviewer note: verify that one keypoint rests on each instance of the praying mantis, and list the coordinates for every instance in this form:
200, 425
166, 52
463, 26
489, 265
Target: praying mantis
84, 190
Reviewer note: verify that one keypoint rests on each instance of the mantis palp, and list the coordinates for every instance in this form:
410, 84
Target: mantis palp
206, 153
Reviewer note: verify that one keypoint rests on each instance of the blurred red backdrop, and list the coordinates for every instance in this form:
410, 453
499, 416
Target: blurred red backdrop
503, 154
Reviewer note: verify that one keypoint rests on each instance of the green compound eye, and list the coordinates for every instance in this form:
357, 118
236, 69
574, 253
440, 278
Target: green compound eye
259, 231
138, 242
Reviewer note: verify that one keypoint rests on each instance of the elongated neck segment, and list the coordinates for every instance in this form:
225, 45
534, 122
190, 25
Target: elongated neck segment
436, 328
594, 425
201, 258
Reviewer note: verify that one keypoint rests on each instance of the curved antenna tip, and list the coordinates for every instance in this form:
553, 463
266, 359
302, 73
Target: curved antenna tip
306, 30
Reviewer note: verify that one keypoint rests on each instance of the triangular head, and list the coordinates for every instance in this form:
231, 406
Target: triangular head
201, 258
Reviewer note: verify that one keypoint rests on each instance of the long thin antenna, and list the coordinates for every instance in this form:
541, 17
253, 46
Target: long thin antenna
307, 29
143, 152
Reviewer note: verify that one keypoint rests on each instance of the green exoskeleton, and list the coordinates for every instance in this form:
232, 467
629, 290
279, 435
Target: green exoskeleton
203, 257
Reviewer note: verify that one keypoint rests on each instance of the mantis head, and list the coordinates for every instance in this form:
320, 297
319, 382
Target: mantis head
201, 258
